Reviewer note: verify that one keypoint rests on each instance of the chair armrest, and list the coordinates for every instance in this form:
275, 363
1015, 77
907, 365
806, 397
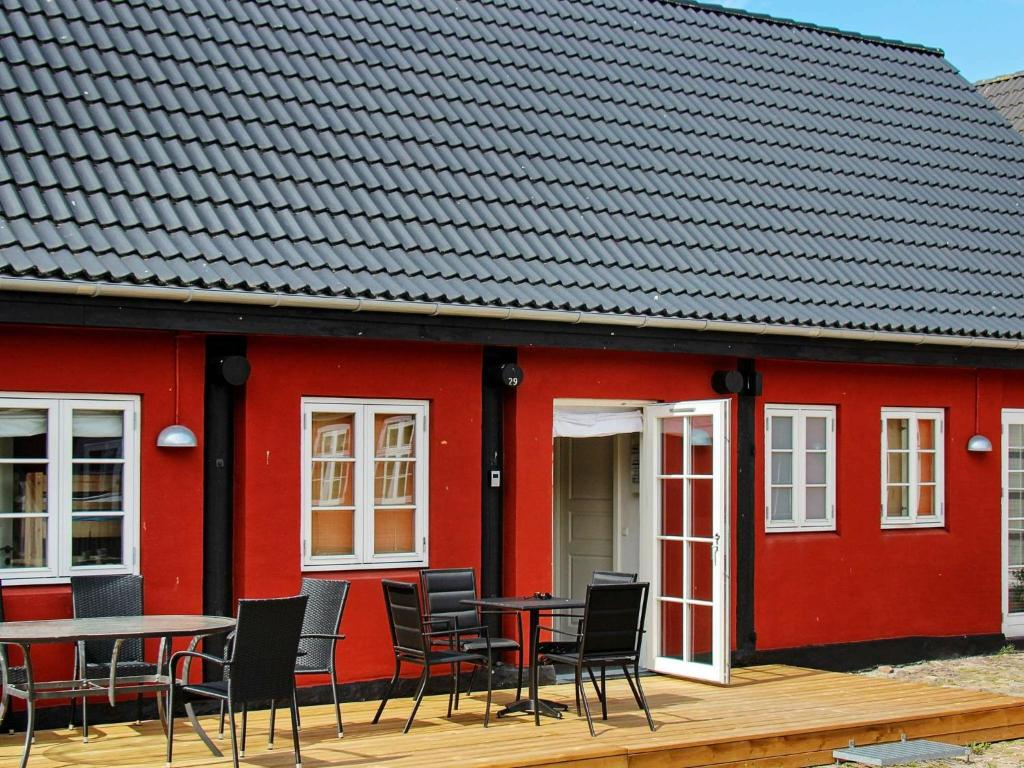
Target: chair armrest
318, 636
176, 657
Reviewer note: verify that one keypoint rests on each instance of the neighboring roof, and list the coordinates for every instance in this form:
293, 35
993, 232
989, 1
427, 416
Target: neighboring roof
624, 157
1007, 95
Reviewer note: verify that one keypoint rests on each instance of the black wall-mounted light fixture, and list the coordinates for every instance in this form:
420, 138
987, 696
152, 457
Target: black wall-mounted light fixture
736, 383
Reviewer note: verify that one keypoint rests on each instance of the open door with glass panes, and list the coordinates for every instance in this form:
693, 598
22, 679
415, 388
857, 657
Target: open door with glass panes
685, 520
1013, 523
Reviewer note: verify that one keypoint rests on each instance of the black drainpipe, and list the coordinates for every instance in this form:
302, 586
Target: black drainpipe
492, 494
225, 363
746, 512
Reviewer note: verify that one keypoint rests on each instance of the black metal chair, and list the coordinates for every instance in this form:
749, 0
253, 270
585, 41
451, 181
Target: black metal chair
319, 640
96, 596
259, 665
610, 635
444, 589
414, 643
8, 673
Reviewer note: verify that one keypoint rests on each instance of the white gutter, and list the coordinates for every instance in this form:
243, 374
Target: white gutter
112, 290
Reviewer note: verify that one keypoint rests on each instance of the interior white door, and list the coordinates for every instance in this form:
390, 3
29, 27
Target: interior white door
584, 505
685, 523
1013, 522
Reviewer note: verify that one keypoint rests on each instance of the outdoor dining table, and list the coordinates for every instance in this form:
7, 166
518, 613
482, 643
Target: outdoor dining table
25, 634
534, 606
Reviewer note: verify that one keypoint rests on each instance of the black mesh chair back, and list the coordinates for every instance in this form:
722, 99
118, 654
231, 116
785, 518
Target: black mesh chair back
96, 596
266, 644
613, 619
444, 589
405, 617
324, 610
612, 577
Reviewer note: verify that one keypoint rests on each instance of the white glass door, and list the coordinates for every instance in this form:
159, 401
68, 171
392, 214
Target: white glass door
685, 512
1013, 523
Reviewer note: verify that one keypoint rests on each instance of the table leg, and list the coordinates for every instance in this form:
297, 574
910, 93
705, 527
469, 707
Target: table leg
161, 663
30, 703
533, 704
200, 732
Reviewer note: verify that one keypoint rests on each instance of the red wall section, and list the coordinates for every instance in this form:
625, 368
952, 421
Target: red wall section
66, 361
862, 582
268, 535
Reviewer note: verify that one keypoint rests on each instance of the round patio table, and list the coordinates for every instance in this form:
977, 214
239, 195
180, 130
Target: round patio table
25, 634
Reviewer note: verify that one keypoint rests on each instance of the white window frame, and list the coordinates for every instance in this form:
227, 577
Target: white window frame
799, 414
914, 520
60, 408
363, 557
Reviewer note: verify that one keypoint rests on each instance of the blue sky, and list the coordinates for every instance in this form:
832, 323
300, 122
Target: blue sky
983, 38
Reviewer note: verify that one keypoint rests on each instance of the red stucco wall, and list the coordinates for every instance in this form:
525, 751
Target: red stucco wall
66, 361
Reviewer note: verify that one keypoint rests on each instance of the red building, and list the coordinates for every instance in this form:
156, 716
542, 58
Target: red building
726, 300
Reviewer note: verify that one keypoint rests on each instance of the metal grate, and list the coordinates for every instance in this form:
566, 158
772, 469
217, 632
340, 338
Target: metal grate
900, 752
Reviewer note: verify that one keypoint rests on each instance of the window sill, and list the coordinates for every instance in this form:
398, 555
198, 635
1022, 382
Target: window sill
890, 526
800, 529
375, 566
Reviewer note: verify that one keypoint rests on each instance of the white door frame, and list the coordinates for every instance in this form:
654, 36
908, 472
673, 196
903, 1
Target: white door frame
650, 504
1013, 624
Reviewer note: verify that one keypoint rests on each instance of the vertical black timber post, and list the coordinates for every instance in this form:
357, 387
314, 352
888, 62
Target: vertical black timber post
218, 488
746, 515
492, 495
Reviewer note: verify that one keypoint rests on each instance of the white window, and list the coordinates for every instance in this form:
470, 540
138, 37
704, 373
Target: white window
800, 475
364, 483
912, 467
68, 485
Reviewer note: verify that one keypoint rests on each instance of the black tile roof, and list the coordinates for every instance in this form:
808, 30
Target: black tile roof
613, 156
1007, 95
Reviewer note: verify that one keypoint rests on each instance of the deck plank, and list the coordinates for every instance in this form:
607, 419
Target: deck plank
771, 716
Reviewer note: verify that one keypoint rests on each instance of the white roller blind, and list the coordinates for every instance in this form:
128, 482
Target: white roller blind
22, 422
573, 422
98, 424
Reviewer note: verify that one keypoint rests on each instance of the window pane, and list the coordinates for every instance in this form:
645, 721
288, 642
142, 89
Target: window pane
926, 467
96, 488
1016, 583
672, 568
672, 445
394, 530
899, 467
926, 500
394, 482
815, 504
22, 488
926, 434
23, 542
394, 435
702, 454
672, 506
1016, 456
782, 468
96, 540
782, 432
332, 484
782, 504
1017, 435
97, 434
1016, 504
333, 435
897, 434
815, 469
816, 432
898, 502
332, 532
22, 433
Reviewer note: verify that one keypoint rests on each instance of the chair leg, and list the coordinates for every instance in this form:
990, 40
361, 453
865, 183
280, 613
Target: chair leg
593, 680
245, 728
472, 679
490, 687
273, 715
604, 694
234, 738
4, 699
295, 733
170, 720
586, 704
577, 682
337, 706
419, 697
452, 685
220, 729
387, 693
625, 671
71, 703
138, 709
469, 692
643, 699
295, 700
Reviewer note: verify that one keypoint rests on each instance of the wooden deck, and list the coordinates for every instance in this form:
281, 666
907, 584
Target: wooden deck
770, 716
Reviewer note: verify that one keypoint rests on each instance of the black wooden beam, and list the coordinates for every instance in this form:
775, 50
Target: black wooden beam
67, 310
746, 510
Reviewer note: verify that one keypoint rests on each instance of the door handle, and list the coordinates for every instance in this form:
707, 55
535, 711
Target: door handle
714, 551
